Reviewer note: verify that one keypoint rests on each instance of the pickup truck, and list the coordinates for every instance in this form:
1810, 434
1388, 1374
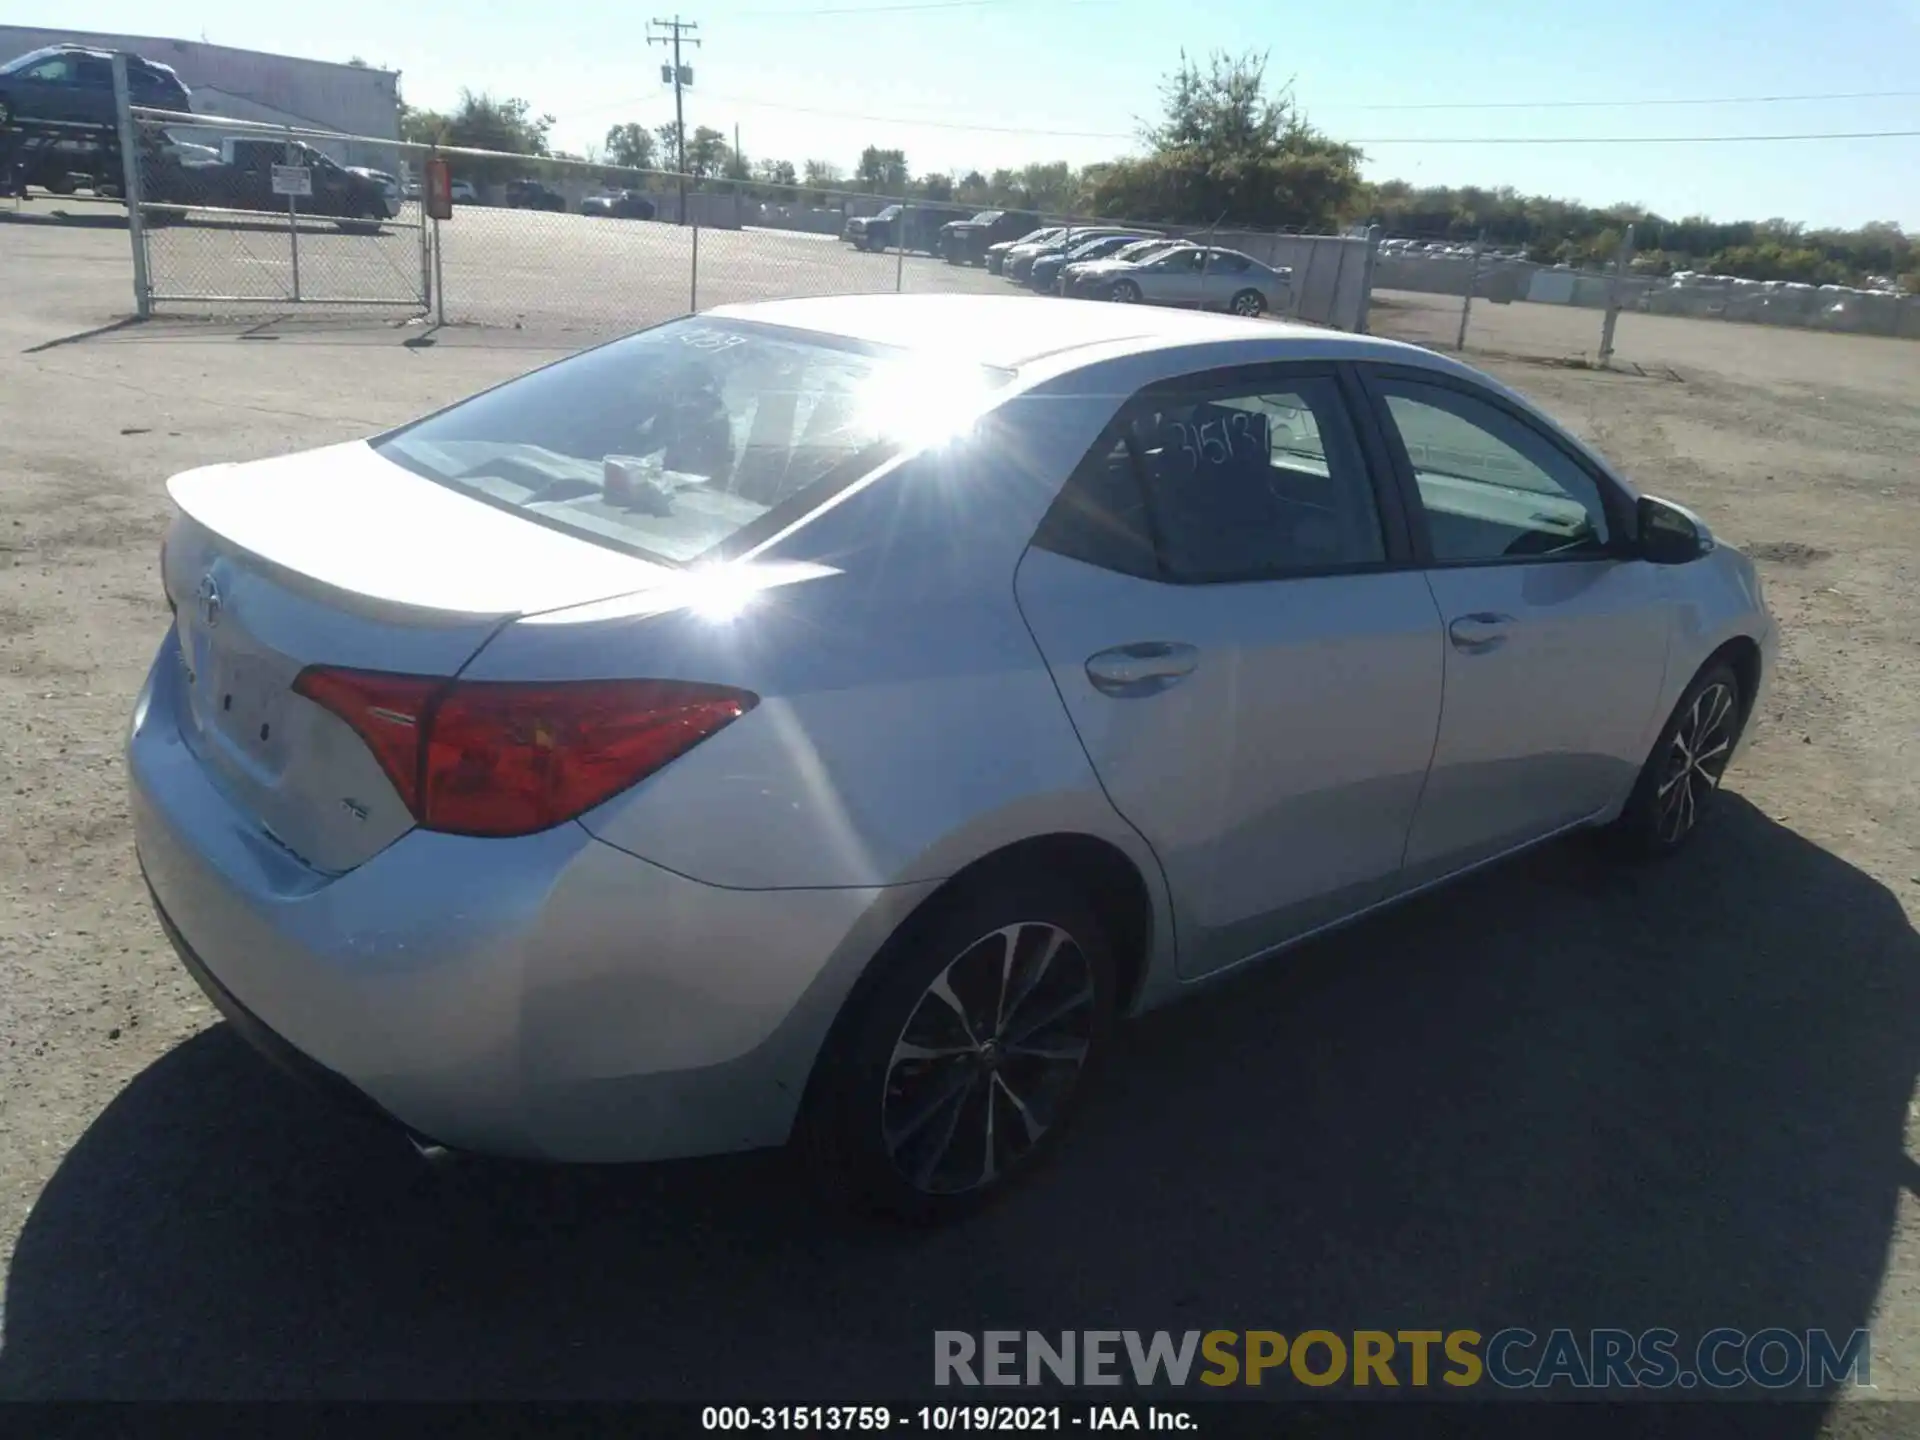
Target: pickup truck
922, 228
965, 242
242, 179
533, 195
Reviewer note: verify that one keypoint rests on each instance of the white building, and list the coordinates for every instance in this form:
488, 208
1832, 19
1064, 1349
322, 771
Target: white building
251, 85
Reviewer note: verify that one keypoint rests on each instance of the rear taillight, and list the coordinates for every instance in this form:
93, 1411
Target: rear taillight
488, 757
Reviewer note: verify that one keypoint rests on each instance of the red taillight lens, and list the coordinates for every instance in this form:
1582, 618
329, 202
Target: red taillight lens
501, 758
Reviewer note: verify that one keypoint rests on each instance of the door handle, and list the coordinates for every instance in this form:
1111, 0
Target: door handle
1144, 668
1480, 632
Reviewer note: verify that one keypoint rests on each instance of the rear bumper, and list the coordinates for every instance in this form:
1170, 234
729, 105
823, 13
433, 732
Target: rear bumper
548, 997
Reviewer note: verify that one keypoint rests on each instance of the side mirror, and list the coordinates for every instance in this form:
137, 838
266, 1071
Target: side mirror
1670, 535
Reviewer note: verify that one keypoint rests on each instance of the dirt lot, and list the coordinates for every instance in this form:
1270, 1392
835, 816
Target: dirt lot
1558, 1095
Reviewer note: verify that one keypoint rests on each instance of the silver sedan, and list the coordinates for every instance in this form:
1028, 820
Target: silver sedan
819, 722
1203, 277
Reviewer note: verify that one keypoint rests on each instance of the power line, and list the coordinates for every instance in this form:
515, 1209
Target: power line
929, 124
1365, 140
1629, 104
1633, 139
893, 9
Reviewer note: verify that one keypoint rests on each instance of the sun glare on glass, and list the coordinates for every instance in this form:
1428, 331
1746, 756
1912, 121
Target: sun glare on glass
923, 401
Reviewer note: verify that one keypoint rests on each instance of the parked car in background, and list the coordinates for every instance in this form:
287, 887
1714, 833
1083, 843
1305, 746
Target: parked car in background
396, 196
1085, 279
1203, 277
997, 254
58, 126
463, 193
591, 771
966, 242
1017, 264
242, 179
918, 227
1049, 263
534, 195
619, 205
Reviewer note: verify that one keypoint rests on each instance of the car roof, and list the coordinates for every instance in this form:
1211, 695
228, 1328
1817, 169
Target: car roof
1014, 330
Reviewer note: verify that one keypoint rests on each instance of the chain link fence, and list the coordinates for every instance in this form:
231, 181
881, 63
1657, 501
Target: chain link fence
236, 213
1472, 295
237, 216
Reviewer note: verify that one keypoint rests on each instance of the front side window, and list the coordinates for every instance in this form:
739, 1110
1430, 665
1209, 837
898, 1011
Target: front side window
1491, 486
672, 441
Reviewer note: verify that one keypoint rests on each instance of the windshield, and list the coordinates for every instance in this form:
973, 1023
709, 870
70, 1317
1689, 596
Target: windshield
22, 62
673, 441
987, 217
888, 213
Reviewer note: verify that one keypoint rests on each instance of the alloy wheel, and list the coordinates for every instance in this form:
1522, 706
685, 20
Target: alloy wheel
1696, 760
1248, 303
987, 1059
1126, 292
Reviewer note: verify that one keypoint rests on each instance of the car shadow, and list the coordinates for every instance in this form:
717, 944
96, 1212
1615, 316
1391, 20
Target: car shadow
1561, 1094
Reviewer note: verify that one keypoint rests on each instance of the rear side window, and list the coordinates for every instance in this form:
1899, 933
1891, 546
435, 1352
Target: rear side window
1255, 482
673, 441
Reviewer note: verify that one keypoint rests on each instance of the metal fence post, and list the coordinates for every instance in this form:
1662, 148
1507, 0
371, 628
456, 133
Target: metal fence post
1614, 288
439, 279
900, 250
293, 222
130, 186
693, 297
1366, 278
1473, 278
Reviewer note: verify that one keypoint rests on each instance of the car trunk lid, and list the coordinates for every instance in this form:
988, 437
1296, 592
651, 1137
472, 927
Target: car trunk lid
338, 557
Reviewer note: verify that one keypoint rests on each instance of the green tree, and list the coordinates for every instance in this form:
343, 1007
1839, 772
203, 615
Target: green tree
936, 187
1226, 149
670, 135
708, 153
631, 145
482, 122
881, 172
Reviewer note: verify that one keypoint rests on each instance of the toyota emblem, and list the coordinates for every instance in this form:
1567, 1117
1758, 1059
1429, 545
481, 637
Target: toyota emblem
210, 602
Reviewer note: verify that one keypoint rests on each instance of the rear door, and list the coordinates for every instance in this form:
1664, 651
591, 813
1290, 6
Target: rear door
1556, 638
1224, 276
1175, 278
1223, 595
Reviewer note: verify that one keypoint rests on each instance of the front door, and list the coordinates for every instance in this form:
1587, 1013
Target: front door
1253, 668
1556, 646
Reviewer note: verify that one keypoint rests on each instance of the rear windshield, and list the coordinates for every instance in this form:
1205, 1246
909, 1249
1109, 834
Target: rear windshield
679, 439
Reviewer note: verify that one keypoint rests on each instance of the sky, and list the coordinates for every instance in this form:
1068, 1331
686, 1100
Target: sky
978, 84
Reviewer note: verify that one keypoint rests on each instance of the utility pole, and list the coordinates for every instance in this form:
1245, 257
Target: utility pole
677, 33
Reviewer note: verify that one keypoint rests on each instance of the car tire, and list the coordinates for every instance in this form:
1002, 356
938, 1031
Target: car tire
1678, 784
1124, 292
929, 1138
1250, 303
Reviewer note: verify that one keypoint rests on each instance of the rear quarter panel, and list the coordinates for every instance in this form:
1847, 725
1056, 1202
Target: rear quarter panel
907, 722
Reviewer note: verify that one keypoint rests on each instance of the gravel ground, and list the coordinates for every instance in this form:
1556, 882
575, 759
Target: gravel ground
1555, 1095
